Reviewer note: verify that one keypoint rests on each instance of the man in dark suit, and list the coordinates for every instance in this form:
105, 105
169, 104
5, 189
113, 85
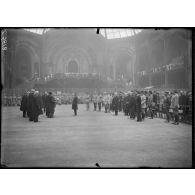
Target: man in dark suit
75, 104
138, 107
23, 105
30, 105
37, 106
115, 103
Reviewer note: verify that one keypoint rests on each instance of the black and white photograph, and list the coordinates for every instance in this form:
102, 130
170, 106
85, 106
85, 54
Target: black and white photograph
96, 98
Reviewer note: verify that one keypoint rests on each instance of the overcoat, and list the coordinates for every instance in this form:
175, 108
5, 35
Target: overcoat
75, 103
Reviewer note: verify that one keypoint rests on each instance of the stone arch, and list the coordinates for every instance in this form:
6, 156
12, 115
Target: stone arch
73, 66
35, 60
26, 59
121, 60
62, 57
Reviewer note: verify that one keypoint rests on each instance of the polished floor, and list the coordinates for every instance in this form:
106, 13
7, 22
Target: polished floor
90, 138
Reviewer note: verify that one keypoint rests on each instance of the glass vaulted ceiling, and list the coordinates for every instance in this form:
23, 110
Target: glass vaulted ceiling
39, 31
109, 33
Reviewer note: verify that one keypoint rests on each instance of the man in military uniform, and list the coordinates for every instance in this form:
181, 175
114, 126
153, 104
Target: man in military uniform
99, 99
167, 103
51, 103
120, 102
87, 101
175, 107
143, 105
125, 104
115, 103
95, 101
150, 105
133, 105
105, 99
44, 101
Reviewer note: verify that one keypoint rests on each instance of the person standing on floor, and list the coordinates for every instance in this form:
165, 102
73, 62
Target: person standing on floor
75, 104
138, 107
51, 103
30, 105
87, 101
44, 101
99, 102
175, 107
23, 105
95, 101
106, 100
133, 105
37, 106
143, 105
150, 105
167, 103
115, 103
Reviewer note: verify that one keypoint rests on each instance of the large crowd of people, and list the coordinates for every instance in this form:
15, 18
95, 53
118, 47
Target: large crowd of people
138, 104
173, 105
33, 104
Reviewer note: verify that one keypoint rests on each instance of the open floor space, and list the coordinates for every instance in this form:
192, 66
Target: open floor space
92, 137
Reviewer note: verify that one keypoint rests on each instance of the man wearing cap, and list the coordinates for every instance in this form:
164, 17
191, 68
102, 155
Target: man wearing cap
87, 101
106, 102
120, 101
44, 101
150, 104
131, 106
143, 105
51, 103
99, 102
175, 107
126, 104
167, 103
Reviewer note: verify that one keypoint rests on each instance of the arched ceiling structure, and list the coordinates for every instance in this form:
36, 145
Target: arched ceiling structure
109, 33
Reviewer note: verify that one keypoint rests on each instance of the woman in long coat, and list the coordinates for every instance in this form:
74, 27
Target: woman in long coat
75, 104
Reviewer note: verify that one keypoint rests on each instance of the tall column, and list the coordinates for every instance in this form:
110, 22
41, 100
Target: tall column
189, 65
3, 54
114, 71
13, 65
150, 79
133, 68
164, 62
166, 78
